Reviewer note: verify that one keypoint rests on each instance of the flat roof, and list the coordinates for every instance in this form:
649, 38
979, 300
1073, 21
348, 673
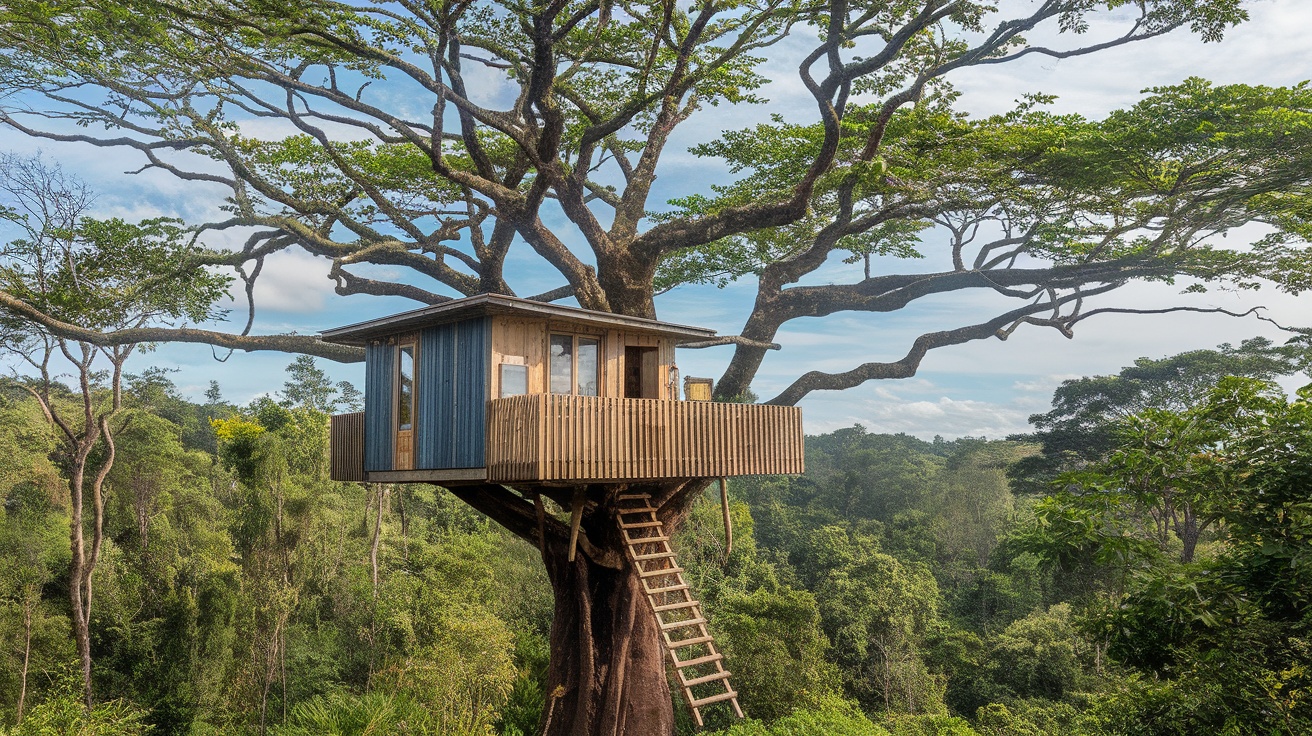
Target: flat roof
488, 304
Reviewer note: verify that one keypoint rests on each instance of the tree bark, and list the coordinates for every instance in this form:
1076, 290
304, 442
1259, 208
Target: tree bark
77, 575
31, 597
607, 674
379, 495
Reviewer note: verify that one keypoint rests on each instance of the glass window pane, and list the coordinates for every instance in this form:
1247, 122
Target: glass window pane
514, 380
562, 364
588, 351
405, 392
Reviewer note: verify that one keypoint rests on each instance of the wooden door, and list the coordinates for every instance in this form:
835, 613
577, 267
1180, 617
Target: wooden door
404, 395
641, 373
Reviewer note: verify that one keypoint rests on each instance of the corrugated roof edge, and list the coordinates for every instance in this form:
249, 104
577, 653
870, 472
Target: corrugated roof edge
484, 304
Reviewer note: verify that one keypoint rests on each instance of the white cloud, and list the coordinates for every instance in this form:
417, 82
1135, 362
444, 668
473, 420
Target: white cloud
292, 282
944, 415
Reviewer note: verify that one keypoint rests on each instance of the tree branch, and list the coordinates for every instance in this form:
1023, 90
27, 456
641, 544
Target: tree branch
304, 344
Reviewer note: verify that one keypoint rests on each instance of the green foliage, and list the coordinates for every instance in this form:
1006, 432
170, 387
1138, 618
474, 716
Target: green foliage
1226, 634
831, 717
344, 714
1081, 427
934, 603
64, 714
95, 273
929, 725
778, 651
238, 439
1037, 656
309, 387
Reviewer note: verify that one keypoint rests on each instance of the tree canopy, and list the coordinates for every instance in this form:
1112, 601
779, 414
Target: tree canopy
436, 138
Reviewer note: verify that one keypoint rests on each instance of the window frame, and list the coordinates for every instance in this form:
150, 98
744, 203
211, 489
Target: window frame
401, 345
575, 337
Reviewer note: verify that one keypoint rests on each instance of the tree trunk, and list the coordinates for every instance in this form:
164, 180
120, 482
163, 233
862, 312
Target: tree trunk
607, 673
379, 495
77, 573
31, 597
1189, 531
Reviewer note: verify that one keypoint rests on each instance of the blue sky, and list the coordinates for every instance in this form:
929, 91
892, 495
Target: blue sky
982, 388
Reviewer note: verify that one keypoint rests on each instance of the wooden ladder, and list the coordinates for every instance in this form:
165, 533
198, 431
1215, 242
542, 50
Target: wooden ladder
677, 613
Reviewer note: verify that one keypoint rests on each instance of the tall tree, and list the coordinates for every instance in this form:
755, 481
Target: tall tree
1082, 425
436, 137
104, 275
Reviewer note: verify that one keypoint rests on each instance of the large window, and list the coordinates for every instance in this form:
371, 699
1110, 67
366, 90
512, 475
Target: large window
405, 387
575, 365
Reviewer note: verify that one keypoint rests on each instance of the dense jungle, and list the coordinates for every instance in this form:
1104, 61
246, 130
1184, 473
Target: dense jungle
1138, 565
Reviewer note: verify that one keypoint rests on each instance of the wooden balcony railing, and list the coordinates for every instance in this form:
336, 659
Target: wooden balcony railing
346, 440
561, 437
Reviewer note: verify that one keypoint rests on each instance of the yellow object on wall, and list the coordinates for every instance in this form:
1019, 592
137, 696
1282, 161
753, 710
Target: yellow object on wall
698, 389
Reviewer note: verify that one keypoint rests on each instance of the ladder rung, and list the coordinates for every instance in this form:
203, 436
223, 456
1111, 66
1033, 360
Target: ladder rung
647, 540
633, 497
664, 571
721, 675
669, 589
654, 556
690, 642
643, 510
681, 624
718, 697
640, 525
675, 606
700, 660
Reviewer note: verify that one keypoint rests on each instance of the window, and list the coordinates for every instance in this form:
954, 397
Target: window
575, 365
405, 387
514, 380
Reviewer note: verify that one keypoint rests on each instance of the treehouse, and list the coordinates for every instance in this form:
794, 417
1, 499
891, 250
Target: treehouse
497, 389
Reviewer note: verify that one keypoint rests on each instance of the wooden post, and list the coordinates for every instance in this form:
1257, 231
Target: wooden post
728, 525
542, 524
576, 518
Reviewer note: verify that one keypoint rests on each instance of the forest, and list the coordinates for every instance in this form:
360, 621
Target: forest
814, 172
1138, 565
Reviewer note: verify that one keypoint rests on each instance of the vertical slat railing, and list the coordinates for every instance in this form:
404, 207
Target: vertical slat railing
346, 447
563, 437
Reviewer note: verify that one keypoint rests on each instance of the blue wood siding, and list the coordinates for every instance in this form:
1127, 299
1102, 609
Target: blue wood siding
379, 434
452, 380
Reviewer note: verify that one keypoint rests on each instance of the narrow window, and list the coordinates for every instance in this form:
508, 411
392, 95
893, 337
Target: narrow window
588, 351
405, 388
562, 364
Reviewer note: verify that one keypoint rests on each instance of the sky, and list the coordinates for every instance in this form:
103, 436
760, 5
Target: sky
984, 388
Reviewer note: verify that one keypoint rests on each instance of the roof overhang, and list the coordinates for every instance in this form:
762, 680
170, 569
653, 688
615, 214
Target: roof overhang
482, 305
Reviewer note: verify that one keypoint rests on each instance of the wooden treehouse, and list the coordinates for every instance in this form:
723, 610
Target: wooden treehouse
495, 389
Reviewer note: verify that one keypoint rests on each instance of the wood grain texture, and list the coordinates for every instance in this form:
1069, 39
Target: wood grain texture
557, 437
346, 447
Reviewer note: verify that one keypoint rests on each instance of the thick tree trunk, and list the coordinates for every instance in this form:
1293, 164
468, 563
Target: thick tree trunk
607, 672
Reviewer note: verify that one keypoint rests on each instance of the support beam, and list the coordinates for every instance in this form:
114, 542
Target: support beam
576, 518
728, 524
